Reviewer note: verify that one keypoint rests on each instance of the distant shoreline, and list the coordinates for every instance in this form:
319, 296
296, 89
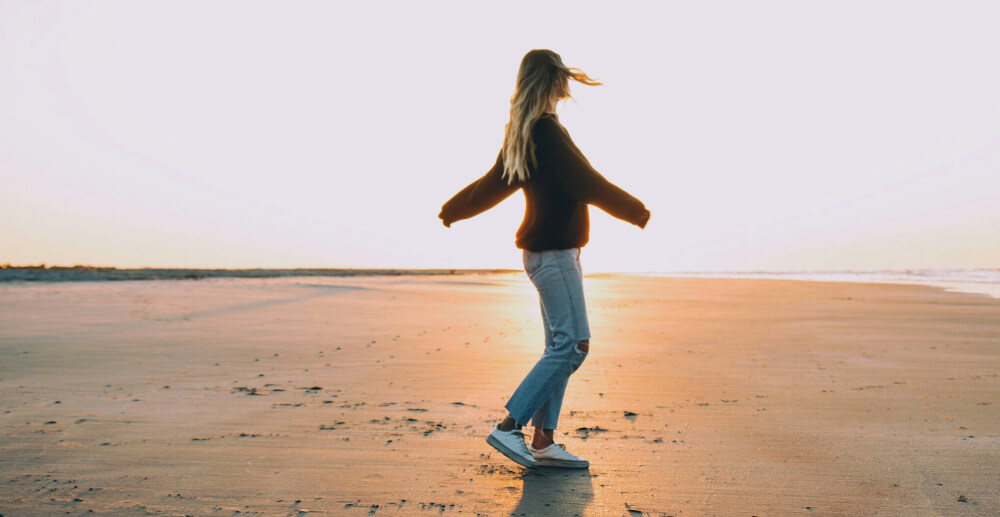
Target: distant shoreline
979, 281
42, 273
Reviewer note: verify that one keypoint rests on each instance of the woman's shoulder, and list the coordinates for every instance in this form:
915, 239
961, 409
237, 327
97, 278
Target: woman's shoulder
547, 125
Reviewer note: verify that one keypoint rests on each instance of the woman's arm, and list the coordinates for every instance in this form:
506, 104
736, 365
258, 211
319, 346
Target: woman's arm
480, 196
557, 152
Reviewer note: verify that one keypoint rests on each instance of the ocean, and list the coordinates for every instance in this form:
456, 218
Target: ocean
977, 281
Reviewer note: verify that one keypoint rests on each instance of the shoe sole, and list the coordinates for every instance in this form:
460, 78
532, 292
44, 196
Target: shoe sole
513, 456
563, 464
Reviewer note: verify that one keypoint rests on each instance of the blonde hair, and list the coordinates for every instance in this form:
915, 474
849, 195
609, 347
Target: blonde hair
542, 77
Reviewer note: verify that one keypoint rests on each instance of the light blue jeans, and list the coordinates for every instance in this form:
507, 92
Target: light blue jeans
559, 279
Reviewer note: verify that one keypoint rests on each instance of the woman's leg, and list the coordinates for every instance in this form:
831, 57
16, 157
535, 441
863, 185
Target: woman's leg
539, 418
543, 420
546, 419
557, 276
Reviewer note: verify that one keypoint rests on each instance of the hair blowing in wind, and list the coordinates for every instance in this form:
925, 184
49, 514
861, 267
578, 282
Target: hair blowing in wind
542, 78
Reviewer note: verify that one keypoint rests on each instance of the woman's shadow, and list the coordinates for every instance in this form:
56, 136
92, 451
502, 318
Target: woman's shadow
549, 491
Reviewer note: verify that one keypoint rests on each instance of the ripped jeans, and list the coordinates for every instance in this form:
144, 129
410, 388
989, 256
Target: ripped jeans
559, 279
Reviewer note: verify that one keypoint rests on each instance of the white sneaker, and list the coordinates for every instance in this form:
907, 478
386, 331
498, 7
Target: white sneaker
555, 455
511, 444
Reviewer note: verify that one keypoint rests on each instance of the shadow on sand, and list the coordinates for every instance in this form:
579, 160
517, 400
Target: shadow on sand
554, 492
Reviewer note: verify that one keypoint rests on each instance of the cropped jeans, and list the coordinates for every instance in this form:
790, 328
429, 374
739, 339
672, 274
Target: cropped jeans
558, 277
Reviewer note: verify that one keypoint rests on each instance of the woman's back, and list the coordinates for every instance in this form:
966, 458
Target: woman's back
553, 218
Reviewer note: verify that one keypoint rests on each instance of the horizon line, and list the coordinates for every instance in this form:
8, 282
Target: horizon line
45, 266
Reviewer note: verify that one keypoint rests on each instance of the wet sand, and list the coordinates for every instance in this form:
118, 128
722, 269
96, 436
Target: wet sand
373, 396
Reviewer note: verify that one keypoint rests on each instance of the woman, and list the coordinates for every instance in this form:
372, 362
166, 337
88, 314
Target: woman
539, 158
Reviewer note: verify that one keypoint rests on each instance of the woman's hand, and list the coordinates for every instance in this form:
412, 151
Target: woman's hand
644, 220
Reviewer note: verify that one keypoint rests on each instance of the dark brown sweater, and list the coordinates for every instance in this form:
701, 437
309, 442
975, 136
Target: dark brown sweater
557, 193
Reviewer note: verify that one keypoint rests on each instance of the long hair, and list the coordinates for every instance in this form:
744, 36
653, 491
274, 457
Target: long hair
541, 78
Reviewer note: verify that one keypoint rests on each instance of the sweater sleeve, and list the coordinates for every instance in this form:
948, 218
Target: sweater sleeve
479, 196
556, 151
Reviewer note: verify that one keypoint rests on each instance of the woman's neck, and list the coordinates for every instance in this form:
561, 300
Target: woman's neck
551, 108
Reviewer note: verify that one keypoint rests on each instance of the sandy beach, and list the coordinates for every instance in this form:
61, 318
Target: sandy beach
373, 396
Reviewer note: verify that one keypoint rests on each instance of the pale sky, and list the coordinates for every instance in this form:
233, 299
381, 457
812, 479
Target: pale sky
761, 135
